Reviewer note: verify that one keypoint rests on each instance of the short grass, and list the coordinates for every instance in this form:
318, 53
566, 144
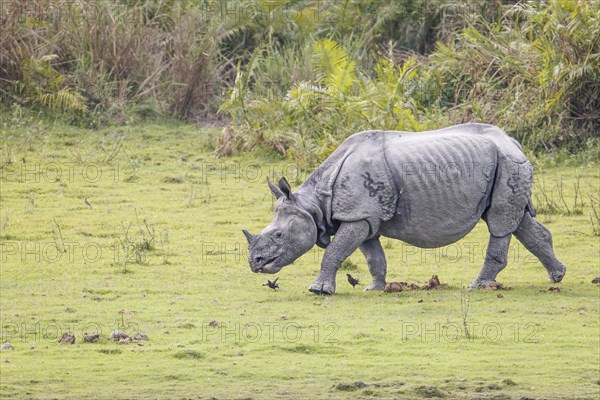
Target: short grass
161, 251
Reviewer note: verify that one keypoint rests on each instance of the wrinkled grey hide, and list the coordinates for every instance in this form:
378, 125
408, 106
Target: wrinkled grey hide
428, 189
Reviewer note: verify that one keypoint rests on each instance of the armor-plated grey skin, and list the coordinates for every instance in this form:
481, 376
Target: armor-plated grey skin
428, 189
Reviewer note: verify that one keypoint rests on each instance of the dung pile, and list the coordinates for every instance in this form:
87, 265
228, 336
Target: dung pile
432, 284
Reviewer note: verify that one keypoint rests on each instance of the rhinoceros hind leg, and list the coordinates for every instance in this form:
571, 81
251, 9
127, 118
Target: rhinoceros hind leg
347, 239
495, 261
538, 240
375, 256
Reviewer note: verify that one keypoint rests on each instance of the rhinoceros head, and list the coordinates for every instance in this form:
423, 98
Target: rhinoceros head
291, 233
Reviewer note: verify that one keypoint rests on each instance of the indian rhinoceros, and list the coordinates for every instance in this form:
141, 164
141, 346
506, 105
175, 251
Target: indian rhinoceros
428, 189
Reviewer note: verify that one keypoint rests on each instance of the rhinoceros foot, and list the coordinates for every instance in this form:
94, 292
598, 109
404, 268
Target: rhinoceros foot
375, 286
319, 287
558, 275
486, 285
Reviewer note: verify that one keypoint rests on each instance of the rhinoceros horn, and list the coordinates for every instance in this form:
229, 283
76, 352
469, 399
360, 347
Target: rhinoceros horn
251, 238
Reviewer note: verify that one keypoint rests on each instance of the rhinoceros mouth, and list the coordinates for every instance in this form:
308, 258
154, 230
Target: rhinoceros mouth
264, 264
269, 267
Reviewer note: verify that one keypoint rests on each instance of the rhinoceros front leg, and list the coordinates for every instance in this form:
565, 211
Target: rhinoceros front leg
347, 239
495, 260
375, 256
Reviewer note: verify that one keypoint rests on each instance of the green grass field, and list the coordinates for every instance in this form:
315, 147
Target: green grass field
161, 251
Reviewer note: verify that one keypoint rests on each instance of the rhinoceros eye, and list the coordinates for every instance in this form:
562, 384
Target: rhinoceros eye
278, 234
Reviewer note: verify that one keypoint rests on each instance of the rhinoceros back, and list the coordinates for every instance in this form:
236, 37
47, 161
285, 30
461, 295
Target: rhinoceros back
428, 188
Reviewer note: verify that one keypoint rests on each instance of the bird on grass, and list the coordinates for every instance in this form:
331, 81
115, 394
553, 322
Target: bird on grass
352, 280
87, 202
273, 285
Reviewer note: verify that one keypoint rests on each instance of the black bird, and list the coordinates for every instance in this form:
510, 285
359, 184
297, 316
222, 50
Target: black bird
273, 285
87, 202
351, 280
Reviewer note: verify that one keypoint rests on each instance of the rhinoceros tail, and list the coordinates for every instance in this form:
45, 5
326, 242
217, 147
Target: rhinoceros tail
530, 208
516, 142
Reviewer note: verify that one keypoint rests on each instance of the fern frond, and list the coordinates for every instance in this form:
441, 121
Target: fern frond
327, 54
334, 66
341, 79
63, 100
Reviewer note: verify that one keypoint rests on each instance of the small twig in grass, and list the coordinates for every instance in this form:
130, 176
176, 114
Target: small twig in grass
5, 223
595, 218
138, 247
61, 245
577, 190
561, 194
109, 156
125, 245
78, 155
207, 197
164, 238
192, 196
146, 244
149, 242
545, 204
32, 201
465, 302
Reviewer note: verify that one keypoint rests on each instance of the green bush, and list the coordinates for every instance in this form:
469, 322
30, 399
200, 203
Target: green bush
535, 72
533, 69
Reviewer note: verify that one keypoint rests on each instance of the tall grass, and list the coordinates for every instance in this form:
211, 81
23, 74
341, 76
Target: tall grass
153, 56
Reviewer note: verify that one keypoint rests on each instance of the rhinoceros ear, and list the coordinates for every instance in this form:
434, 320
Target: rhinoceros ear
285, 188
274, 189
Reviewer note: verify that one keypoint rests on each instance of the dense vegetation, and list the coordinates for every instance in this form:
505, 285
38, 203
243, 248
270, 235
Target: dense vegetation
299, 76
